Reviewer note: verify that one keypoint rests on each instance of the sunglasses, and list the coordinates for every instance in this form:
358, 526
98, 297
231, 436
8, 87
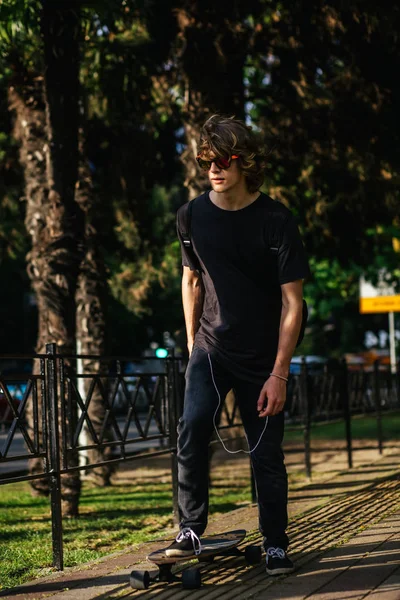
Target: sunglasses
222, 163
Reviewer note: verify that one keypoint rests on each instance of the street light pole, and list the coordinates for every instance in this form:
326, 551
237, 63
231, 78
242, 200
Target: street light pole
392, 343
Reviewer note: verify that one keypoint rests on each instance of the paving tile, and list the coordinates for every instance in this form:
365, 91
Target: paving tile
367, 574
388, 589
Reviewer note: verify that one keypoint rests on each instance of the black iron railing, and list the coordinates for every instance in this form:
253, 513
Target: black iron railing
49, 416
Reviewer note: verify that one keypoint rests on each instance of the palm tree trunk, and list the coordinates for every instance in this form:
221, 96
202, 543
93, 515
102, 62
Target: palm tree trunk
25, 99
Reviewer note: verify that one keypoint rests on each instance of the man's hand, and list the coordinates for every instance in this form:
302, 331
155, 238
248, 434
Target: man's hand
272, 397
190, 347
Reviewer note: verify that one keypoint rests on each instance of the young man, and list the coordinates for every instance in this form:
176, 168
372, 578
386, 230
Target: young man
242, 300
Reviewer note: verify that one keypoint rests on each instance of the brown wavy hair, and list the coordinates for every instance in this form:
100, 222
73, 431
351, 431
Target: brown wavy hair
224, 136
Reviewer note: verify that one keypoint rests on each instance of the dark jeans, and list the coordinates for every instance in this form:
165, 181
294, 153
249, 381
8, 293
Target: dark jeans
195, 429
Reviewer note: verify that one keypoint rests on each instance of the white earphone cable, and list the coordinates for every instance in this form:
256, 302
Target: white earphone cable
215, 424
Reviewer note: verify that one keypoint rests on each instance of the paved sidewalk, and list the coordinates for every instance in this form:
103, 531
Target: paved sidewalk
368, 566
345, 540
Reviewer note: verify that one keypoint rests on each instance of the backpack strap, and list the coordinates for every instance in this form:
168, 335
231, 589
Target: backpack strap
184, 224
185, 231
304, 319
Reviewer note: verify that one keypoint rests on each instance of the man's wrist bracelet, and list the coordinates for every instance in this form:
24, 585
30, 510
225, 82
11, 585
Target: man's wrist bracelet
279, 377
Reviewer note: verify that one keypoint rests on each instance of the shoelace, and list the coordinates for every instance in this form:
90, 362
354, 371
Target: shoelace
275, 552
187, 533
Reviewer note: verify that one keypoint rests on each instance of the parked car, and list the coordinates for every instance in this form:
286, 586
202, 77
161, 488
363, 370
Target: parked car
315, 364
21, 370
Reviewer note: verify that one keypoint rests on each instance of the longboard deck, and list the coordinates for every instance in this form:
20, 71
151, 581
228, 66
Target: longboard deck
210, 546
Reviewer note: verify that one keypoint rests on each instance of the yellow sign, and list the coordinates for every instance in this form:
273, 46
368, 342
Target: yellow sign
383, 297
380, 304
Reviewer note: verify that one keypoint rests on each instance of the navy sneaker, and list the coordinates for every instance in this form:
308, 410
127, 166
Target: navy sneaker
186, 543
278, 562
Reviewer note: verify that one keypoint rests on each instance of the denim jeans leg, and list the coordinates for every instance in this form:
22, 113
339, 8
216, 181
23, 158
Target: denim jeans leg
194, 433
268, 466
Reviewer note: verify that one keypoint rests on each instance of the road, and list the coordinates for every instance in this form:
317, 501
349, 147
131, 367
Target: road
18, 447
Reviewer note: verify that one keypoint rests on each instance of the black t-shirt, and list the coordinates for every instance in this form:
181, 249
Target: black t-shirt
245, 255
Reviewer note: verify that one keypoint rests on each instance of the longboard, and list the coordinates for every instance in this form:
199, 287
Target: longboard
223, 544
210, 546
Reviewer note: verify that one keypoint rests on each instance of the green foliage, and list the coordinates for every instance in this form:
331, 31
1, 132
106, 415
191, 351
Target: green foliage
323, 86
331, 286
323, 89
20, 44
149, 284
130, 284
386, 242
321, 81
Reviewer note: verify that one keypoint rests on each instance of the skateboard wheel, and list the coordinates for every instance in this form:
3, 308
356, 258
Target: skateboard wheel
139, 580
191, 579
253, 555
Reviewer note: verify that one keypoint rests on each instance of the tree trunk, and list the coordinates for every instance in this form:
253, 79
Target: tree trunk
211, 56
25, 98
62, 248
91, 297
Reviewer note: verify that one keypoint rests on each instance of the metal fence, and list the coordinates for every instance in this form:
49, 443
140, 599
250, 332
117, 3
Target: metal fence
324, 393
47, 414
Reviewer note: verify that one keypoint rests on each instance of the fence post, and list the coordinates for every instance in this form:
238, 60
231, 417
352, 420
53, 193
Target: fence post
397, 384
306, 404
173, 424
53, 453
346, 411
377, 397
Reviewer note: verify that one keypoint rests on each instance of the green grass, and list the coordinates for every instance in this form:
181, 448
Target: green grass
126, 513
362, 428
111, 519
